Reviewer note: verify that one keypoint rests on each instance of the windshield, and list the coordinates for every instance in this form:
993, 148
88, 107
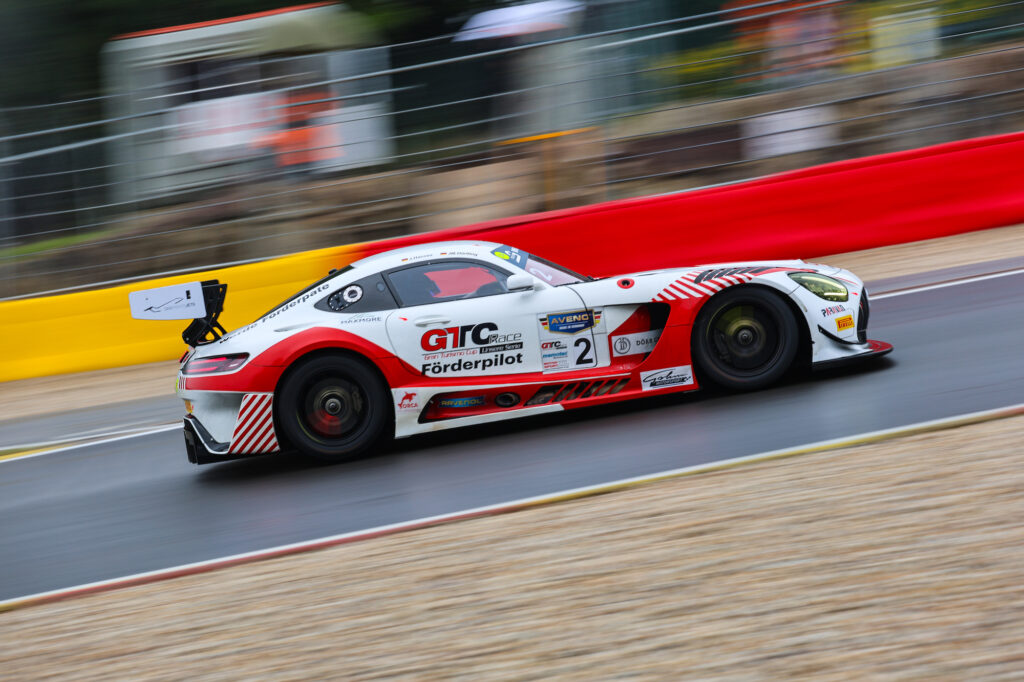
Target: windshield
553, 274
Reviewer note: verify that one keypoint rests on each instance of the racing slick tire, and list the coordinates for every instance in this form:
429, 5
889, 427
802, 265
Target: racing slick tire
333, 408
744, 338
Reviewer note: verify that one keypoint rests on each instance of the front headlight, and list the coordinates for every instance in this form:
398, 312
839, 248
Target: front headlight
821, 286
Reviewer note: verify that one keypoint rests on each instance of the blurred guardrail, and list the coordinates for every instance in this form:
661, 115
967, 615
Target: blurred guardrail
240, 160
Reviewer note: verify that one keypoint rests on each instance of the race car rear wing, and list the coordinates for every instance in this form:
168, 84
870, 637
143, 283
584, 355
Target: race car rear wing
202, 302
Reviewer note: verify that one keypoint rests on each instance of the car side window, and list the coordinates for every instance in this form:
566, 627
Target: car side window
440, 281
362, 296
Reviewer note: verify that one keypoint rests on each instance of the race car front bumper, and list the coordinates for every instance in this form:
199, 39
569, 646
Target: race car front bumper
868, 349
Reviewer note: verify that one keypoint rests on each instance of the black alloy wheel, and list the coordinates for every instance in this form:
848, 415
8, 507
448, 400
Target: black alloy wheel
744, 338
333, 408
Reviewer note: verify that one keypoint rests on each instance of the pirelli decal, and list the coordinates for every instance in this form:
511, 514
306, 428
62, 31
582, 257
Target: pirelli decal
701, 283
254, 428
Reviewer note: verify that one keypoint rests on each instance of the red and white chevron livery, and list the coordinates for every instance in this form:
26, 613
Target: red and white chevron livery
450, 334
697, 283
254, 430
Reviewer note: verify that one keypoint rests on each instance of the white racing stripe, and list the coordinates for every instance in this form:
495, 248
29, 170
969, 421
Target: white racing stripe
601, 488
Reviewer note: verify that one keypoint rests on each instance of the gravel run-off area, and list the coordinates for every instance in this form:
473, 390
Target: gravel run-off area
899, 559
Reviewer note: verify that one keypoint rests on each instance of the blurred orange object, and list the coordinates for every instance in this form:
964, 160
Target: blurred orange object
304, 140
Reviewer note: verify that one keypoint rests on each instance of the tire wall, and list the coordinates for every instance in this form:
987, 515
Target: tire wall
834, 208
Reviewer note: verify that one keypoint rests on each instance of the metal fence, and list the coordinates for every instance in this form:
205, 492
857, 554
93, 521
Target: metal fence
245, 159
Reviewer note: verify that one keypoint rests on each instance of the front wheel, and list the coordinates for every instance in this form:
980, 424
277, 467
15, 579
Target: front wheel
744, 339
333, 408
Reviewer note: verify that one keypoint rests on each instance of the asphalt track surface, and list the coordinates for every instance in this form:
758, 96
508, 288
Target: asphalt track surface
114, 509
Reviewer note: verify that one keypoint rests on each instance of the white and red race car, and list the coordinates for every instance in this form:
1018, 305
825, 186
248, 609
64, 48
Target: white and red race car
450, 334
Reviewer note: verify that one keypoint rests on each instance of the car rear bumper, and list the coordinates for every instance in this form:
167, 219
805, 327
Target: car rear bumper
200, 446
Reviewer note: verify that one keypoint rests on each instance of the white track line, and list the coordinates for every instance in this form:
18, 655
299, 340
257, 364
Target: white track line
15, 457
601, 488
943, 285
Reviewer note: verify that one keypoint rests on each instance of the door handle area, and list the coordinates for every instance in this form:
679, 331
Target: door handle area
430, 320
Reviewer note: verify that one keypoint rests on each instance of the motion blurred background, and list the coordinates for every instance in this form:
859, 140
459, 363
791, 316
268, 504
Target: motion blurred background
148, 138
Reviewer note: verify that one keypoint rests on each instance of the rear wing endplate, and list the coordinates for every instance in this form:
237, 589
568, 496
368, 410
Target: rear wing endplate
202, 302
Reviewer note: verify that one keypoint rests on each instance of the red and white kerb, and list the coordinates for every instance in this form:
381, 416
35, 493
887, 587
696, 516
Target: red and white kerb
686, 287
254, 430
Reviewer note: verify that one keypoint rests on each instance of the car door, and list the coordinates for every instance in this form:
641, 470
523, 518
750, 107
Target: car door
458, 319
628, 329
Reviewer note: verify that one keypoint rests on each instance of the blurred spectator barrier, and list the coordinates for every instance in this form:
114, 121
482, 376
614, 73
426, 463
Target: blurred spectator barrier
241, 140
843, 206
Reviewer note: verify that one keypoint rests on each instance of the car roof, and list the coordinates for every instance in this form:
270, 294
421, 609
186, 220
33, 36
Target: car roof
408, 255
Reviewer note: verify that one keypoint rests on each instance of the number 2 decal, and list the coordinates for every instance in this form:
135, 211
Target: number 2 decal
586, 356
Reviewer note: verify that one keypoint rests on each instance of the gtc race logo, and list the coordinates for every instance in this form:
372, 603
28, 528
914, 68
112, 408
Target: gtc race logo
481, 334
572, 322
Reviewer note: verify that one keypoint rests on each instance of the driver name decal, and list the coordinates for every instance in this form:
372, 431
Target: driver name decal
666, 378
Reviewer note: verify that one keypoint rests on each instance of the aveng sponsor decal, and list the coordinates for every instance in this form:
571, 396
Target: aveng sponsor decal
665, 378
844, 323
461, 403
633, 344
571, 322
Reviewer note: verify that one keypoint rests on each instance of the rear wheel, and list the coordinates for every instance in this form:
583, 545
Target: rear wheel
333, 408
744, 338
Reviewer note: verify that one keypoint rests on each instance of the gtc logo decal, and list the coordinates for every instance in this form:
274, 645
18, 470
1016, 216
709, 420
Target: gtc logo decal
477, 334
571, 322
844, 323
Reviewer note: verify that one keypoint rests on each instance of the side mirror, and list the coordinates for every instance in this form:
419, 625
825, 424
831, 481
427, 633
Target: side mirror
521, 282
